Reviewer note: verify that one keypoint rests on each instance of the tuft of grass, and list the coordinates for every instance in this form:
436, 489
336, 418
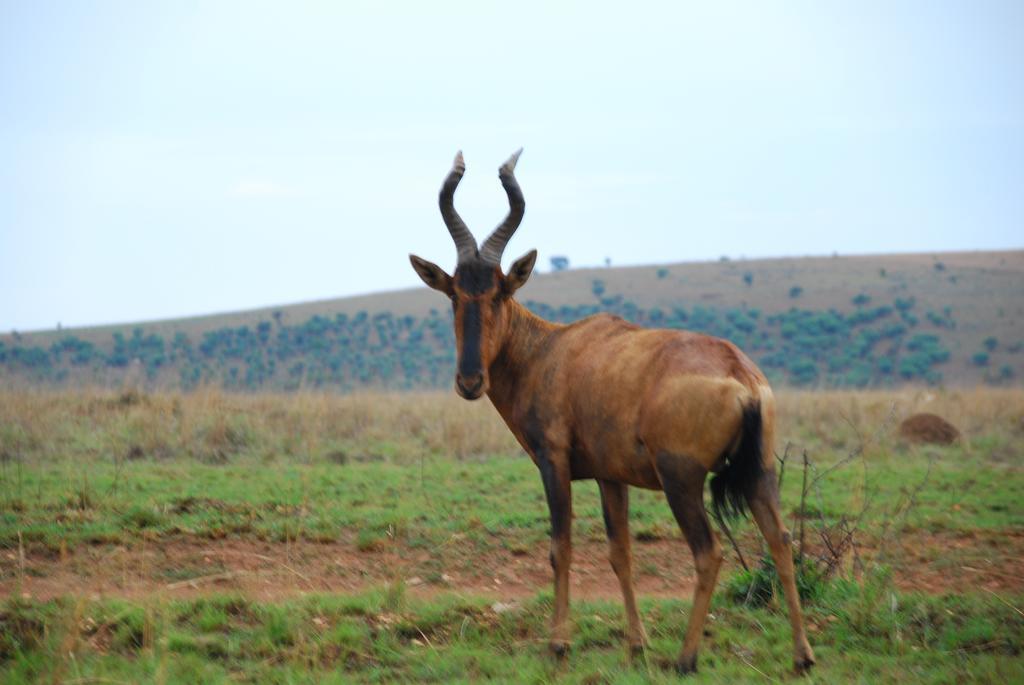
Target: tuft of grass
370, 540
142, 517
22, 628
128, 628
279, 626
760, 586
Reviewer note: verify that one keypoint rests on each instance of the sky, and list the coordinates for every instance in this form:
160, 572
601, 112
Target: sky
167, 159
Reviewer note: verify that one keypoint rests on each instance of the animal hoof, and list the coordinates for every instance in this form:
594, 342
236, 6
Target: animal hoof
687, 666
802, 665
638, 650
559, 649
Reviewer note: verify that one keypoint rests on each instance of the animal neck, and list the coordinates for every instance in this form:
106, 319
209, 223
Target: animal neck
526, 336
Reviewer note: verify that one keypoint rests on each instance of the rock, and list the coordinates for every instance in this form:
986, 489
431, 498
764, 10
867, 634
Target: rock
502, 607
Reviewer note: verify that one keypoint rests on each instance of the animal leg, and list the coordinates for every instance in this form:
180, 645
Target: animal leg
764, 504
682, 479
615, 507
558, 489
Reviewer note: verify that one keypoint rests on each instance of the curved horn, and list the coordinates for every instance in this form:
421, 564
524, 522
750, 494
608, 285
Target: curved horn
465, 243
495, 244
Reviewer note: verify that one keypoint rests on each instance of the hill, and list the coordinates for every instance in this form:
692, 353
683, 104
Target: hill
841, 321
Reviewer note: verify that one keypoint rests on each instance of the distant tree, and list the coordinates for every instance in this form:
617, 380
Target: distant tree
263, 332
607, 262
990, 343
119, 357
881, 272
904, 304
803, 371
939, 266
559, 263
796, 291
861, 299
597, 287
748, 278
980, 358
942, 321
662, 273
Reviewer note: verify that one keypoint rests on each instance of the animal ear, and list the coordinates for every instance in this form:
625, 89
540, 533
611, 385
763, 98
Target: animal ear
520, 271
433, 275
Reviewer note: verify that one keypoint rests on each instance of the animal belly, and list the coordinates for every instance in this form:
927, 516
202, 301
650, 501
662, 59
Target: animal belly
633, 469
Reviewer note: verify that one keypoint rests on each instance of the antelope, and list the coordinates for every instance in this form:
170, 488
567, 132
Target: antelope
605, 399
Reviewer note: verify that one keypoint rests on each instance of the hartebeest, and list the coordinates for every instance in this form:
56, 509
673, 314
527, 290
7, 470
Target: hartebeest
605, 399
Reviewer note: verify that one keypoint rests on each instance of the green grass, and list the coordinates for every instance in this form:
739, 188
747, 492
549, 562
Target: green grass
491, 502
383, 636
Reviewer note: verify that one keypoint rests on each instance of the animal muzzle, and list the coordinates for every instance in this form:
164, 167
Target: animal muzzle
470, 387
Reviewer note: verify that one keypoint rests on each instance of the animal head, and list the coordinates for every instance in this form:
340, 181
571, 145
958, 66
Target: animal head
478, 289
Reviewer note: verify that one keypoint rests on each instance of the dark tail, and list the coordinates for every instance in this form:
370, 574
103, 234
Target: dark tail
743, 468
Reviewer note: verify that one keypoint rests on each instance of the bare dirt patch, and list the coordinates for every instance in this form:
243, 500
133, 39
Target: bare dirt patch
959, 562
186, 566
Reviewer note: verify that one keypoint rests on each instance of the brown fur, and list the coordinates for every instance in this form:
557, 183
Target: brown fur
617, 395
605, 399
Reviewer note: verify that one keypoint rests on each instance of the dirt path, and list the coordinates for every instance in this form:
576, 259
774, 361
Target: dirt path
186, 567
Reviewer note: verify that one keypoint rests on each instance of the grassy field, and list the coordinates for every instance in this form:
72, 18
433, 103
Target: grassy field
378, 538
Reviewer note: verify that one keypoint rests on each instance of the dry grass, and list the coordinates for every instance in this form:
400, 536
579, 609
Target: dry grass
842, 419
213, 426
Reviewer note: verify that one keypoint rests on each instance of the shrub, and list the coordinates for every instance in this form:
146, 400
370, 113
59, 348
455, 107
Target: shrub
941, 320
757, 586
904, 304
796, 291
